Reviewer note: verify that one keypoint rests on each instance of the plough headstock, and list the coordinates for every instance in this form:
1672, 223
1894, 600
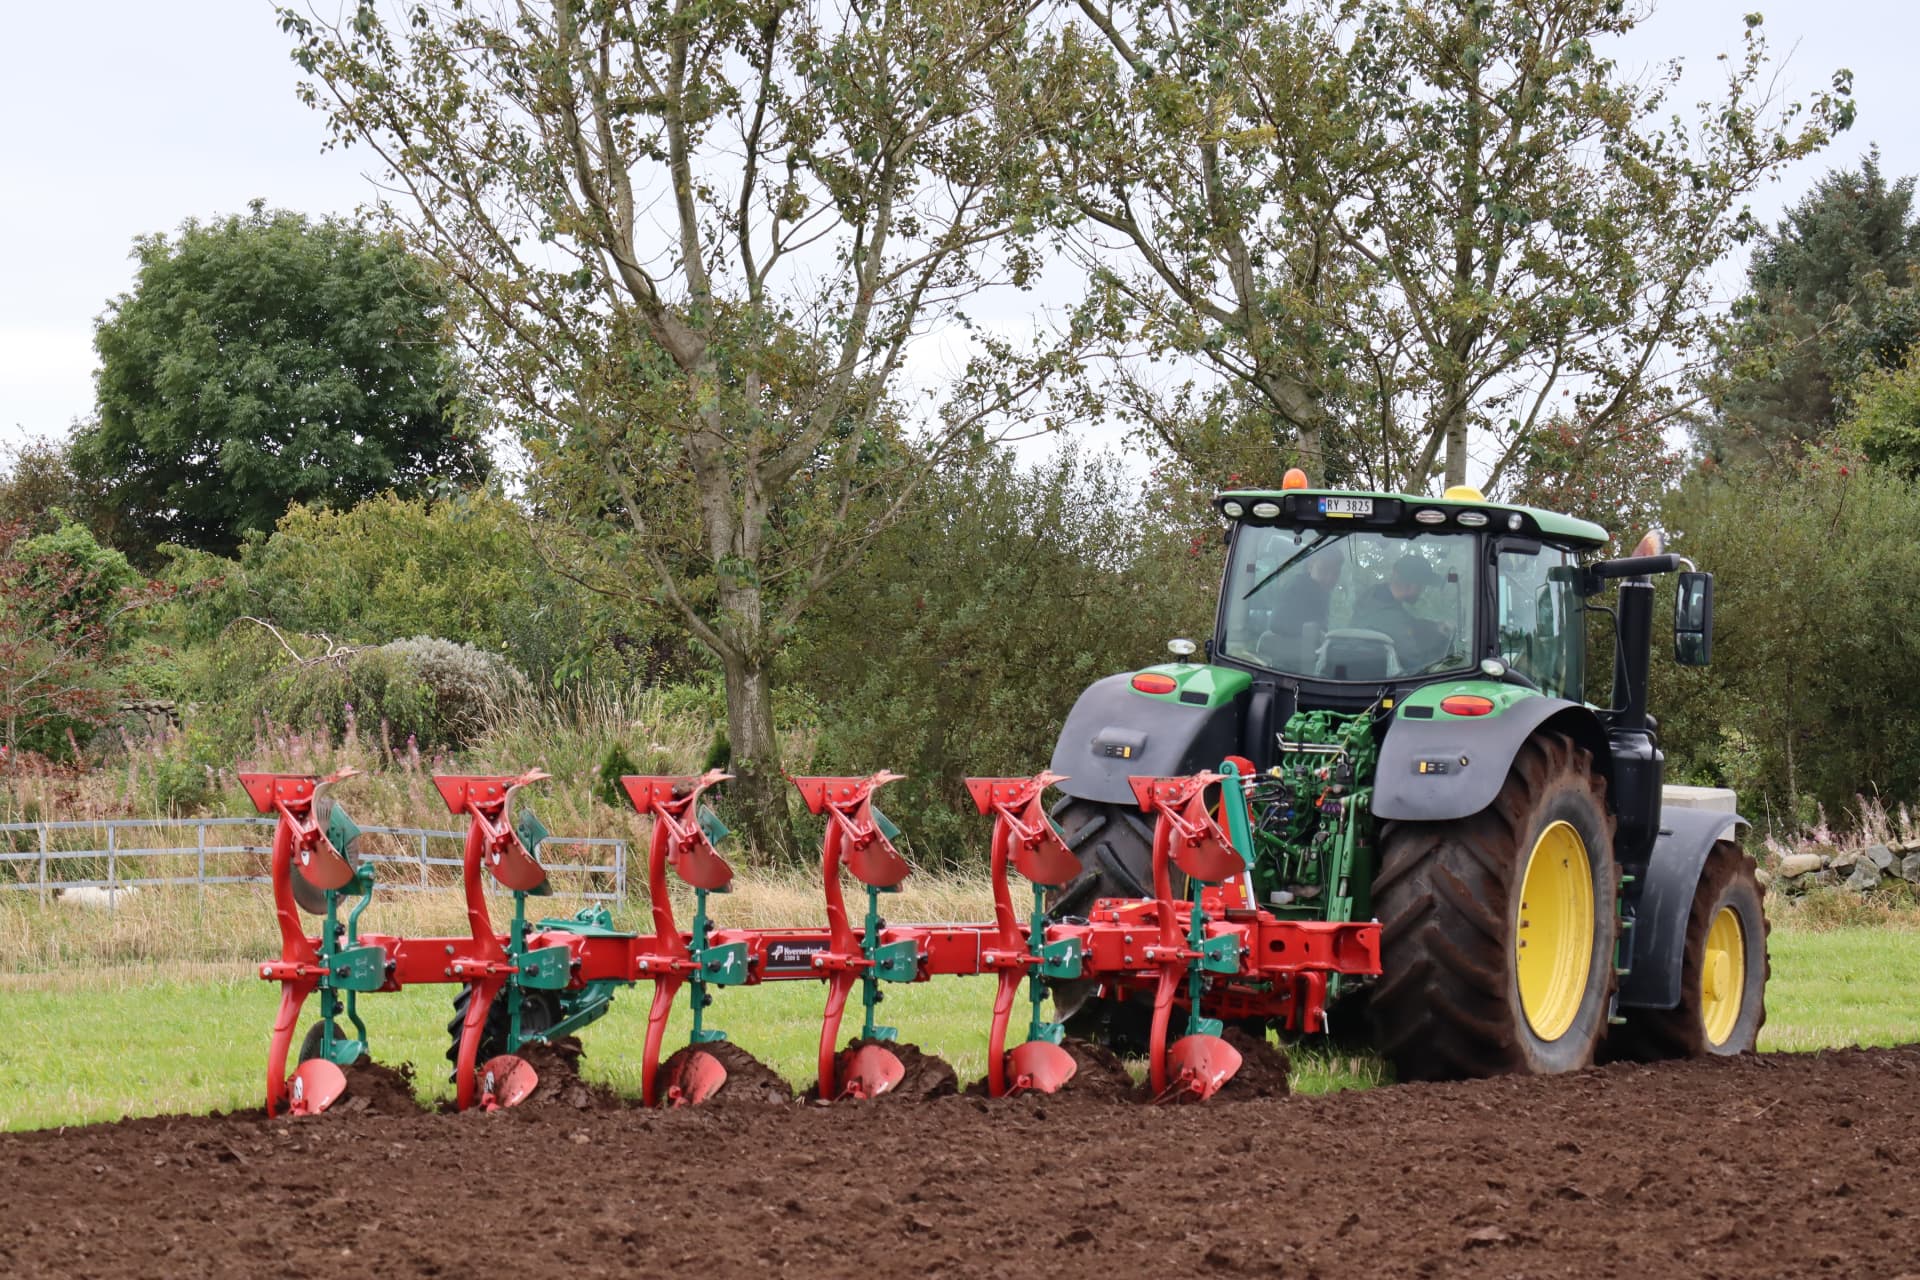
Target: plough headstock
865, 848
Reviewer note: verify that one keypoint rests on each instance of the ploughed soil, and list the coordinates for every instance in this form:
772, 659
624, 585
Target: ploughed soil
749, 1081
1780, 1165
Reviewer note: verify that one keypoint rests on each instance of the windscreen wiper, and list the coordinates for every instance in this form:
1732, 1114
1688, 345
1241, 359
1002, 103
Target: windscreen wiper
1293, 559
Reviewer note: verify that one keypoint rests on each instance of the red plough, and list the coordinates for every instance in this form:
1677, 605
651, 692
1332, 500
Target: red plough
1206, 956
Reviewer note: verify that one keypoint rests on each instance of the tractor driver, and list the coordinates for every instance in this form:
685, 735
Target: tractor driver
1387, 608
1300, 610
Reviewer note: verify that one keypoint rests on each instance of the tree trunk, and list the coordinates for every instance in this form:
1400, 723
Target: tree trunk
1456, 444
759, 792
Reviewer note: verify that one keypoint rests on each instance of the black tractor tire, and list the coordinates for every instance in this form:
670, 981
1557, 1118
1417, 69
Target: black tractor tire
1728, 881
1115, 846
538, 1011
1448, 1004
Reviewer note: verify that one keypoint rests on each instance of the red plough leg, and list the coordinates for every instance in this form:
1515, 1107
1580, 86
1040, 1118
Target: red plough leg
1185, 835
492, 844
682, 844
297, 838
1023, 840
854, 839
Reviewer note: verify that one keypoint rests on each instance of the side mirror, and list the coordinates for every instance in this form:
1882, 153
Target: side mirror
1693, 620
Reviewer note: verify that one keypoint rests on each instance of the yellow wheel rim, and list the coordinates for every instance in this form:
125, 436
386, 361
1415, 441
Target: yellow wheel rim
1553, 947
1723, 975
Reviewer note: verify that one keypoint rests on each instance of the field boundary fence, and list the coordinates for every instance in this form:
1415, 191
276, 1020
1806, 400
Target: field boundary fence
115, 854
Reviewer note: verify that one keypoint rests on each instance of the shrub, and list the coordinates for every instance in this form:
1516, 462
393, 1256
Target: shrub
440, 694
469, 685
615, 765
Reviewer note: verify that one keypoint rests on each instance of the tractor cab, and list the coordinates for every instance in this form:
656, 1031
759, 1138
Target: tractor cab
1344, 594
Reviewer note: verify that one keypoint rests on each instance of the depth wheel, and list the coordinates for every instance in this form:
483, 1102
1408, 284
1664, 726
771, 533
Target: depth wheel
539, 1010
1115, 846
310, 1045
1723, 971
1497, 931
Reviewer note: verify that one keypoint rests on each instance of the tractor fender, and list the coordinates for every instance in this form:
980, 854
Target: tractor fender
1113, 734
1448, 767
1665, 900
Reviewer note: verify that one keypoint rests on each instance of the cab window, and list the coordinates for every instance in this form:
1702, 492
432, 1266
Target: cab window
1359, 605
1537, 618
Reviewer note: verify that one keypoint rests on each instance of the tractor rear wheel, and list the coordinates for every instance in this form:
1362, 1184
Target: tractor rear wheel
1497, 931
1115, 846
1723, 971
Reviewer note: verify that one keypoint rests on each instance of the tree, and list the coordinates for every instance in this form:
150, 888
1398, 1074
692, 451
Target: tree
41, 490
461, 568
64, 603
1617, 479
265, 360
696, 243
1830, 295
1813, 697
1884, 421
1406, 232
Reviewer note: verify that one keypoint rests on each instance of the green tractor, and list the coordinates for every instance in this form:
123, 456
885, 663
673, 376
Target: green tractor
1403, 679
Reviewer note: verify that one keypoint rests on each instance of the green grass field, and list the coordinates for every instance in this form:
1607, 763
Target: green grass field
97, 1044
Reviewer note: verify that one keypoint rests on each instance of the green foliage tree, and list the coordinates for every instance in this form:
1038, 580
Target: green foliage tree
1831, 295
265, 360
696, 243
1400, 233
65, 604
1616, 478
1814, 693
978, 621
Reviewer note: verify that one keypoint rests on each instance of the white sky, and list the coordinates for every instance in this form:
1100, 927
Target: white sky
155, 112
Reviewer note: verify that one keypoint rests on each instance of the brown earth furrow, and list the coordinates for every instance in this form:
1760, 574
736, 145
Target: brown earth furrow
1780, 1165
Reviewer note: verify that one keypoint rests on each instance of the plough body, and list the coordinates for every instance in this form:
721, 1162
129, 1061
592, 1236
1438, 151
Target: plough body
1209, 956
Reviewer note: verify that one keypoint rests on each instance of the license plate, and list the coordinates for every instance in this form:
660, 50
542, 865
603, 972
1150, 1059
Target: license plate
1346, 506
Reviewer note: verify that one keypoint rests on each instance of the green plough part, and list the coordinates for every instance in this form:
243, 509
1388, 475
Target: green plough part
358, 969
1061, 959
896, 961
545, 968
588, 922
1219, 955
723, 966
